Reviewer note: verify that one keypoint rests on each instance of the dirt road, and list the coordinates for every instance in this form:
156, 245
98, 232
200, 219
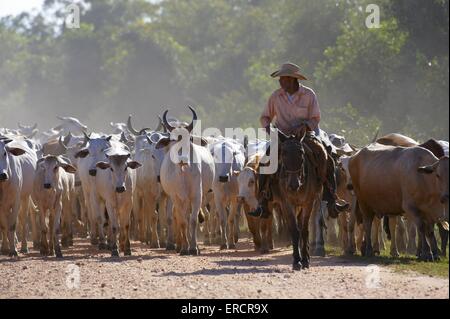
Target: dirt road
240, 273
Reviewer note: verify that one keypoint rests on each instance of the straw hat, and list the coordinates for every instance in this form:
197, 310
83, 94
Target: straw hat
289, 69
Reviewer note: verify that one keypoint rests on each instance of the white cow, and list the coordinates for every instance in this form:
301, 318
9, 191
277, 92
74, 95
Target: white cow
17, 167
87, 158
229, 160
115, 183
54, 189
186, 179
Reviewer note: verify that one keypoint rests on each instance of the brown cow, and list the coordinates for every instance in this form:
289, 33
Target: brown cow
392, 180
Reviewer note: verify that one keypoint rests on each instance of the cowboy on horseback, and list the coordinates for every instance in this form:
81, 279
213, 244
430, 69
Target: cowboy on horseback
295, 111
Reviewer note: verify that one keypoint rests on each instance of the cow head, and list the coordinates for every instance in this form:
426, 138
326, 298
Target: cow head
93, 152
228, 159
118, 163
50, 166
440, 171
5, 151
248, 187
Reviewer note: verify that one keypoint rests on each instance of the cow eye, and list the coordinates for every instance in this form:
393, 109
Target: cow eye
126, 167
438, 176
111, 169
55, 168
4, 154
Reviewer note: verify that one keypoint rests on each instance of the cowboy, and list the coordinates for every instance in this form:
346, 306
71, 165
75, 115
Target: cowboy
295, 111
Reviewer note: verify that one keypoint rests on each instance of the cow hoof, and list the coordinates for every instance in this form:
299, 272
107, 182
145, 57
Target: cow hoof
264, 251
43, 251
223, 246
395, 254
232, 246
102, 246
297, 266
349, 252
36, 246
127, 252
305, 265
94, 241
114, 253
184, 252
170, 247
194, 252
59, 254
24, 250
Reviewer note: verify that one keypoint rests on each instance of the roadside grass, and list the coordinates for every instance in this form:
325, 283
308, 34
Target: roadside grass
404, 263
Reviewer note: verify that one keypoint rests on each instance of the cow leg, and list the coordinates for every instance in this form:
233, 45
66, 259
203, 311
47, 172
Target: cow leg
319, 227
114, 228
332, 237
444, 240
412, 233
237, 219
141, 218
44, 246
289, 212
264, 229
4, 229
98, 210
170, 245
56, 231
35, 230
66, 229
23, 220
91, 213
231, 226
125, 218
222, 213
162, 220
150, 208
343, 225
376, 227
368, 218
401, 235
193, 223
393, 230
182, 223
12, 223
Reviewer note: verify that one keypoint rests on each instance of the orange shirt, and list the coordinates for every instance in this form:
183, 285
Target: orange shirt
287, 114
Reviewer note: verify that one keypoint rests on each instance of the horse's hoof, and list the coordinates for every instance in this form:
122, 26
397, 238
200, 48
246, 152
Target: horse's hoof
127, 252
194, 252
184, 252
58, 254
297, 266
114, 253
232, 246
170, 247
223, 246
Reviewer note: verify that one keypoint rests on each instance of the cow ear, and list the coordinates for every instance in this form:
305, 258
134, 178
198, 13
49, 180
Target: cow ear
109, 138
16, 151
102, 165
68, 168
162, 143
82, 154
133, 164
236, 173
426, 169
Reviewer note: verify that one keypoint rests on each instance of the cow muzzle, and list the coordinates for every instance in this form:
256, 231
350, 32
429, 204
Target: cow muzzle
120, 189
3, 177
224, 179
93, 172
47, 185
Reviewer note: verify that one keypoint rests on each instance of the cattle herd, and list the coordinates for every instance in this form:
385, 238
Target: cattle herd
122, 186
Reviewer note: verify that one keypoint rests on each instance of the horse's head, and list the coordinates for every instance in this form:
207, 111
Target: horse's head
292, 161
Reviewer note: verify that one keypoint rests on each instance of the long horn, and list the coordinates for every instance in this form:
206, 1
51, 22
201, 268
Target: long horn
376, 135
169, 127
86, 139
190, 127
68, 138
160, 126
144, 130
62, 118
130, 127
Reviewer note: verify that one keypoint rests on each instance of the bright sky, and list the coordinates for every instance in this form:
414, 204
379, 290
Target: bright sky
16, 6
